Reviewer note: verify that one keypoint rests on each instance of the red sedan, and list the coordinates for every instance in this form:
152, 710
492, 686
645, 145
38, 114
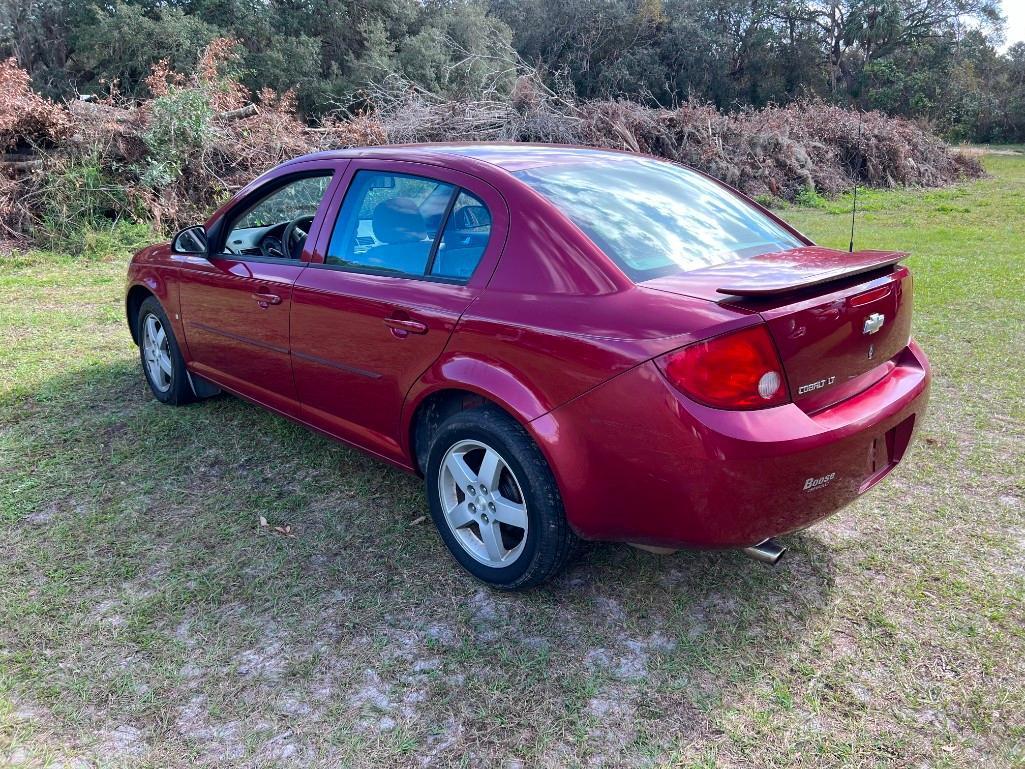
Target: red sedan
565, 343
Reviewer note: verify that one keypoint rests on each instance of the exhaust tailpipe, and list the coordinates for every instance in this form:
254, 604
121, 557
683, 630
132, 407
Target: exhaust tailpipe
769, 551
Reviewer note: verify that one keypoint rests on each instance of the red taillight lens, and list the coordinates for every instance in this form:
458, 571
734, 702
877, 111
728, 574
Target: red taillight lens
740, 370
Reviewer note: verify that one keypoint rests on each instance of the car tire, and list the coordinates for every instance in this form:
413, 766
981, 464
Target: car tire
162, 362
479, 518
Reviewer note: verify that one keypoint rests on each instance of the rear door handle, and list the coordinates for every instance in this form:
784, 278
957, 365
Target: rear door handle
401, 327
265, 300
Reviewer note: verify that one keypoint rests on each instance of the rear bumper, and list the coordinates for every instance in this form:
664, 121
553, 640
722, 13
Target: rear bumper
637, 461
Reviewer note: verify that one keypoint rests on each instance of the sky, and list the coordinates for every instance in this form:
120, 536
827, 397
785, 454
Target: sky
1014, 10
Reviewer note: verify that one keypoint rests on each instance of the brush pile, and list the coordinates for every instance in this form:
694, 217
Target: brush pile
777, 151
169, 160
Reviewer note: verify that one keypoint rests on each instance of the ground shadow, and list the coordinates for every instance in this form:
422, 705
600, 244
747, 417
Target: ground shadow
179, 628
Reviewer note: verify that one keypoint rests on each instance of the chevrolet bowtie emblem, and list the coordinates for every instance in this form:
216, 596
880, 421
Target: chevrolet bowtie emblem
873, 323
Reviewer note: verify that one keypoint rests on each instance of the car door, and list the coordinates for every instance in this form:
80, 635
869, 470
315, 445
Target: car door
405, 249
235, 301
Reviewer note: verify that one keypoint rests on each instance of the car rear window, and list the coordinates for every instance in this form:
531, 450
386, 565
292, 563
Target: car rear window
655, 218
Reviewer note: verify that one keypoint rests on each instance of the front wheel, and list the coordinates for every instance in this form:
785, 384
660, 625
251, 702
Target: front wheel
495, 501
162, 361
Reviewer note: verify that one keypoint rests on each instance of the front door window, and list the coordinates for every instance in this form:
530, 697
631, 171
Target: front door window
276, 226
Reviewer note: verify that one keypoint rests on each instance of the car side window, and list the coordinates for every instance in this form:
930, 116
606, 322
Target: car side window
464, 239
388, 222
276, 225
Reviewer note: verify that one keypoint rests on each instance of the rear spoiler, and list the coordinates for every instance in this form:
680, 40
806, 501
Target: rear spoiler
793, 270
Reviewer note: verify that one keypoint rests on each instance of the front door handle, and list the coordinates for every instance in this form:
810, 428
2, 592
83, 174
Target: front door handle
401, 327
265, 300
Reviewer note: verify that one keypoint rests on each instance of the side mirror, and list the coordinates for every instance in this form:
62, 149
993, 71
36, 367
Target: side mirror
191, 240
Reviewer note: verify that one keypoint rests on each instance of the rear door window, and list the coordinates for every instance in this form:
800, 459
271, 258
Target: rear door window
389, 222
464, 239
414, 226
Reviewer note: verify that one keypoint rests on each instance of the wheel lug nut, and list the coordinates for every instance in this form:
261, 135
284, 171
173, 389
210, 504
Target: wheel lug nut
469, 490
491, 506
473, 508
483, 489
484, 517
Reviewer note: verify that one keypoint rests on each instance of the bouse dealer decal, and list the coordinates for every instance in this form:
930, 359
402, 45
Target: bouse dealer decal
817, 483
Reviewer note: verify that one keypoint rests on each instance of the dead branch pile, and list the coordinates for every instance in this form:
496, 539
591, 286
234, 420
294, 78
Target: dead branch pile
170, 160
777, 151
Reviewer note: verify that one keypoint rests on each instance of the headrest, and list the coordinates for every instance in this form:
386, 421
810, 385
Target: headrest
398, 220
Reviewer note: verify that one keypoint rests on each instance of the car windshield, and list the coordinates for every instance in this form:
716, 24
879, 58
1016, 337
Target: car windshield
655, 218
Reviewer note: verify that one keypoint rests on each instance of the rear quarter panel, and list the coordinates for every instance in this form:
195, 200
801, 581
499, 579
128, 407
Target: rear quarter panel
557, 319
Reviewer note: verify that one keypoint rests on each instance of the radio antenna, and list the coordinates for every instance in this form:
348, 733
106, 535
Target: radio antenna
857, 171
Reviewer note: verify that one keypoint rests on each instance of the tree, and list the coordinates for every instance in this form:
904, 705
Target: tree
931, 59
124, 41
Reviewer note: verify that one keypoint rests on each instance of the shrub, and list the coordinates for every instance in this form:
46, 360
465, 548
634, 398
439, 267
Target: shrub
80, 201
809, 198
180, 127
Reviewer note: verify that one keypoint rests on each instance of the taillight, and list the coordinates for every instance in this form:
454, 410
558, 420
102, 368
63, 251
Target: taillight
740, 370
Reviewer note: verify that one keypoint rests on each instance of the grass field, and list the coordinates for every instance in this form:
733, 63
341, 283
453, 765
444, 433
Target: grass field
147, 620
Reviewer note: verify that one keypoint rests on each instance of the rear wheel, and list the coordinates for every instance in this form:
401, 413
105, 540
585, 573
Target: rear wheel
495, 501
162, 361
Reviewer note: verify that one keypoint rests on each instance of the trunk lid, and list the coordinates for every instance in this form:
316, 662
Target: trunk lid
838, 320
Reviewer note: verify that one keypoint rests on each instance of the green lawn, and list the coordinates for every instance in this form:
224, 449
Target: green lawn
147, 620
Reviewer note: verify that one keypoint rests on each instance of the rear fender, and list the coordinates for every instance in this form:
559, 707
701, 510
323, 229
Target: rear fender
492, 381
487, 378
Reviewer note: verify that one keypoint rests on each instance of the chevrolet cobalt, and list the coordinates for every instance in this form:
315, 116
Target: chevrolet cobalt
567, 344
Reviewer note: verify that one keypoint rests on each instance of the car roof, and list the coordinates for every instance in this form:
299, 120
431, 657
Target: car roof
510, 156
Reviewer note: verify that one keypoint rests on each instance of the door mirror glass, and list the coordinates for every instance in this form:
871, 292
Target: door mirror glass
191, 240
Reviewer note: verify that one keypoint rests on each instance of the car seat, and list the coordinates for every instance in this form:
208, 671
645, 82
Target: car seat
400, 229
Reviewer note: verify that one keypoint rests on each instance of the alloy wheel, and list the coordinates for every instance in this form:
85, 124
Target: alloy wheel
156, 352
483, 503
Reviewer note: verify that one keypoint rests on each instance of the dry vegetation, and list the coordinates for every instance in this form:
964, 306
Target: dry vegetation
170, 159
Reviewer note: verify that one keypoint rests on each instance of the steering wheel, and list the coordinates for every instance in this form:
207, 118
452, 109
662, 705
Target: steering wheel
294, 237
272, 247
